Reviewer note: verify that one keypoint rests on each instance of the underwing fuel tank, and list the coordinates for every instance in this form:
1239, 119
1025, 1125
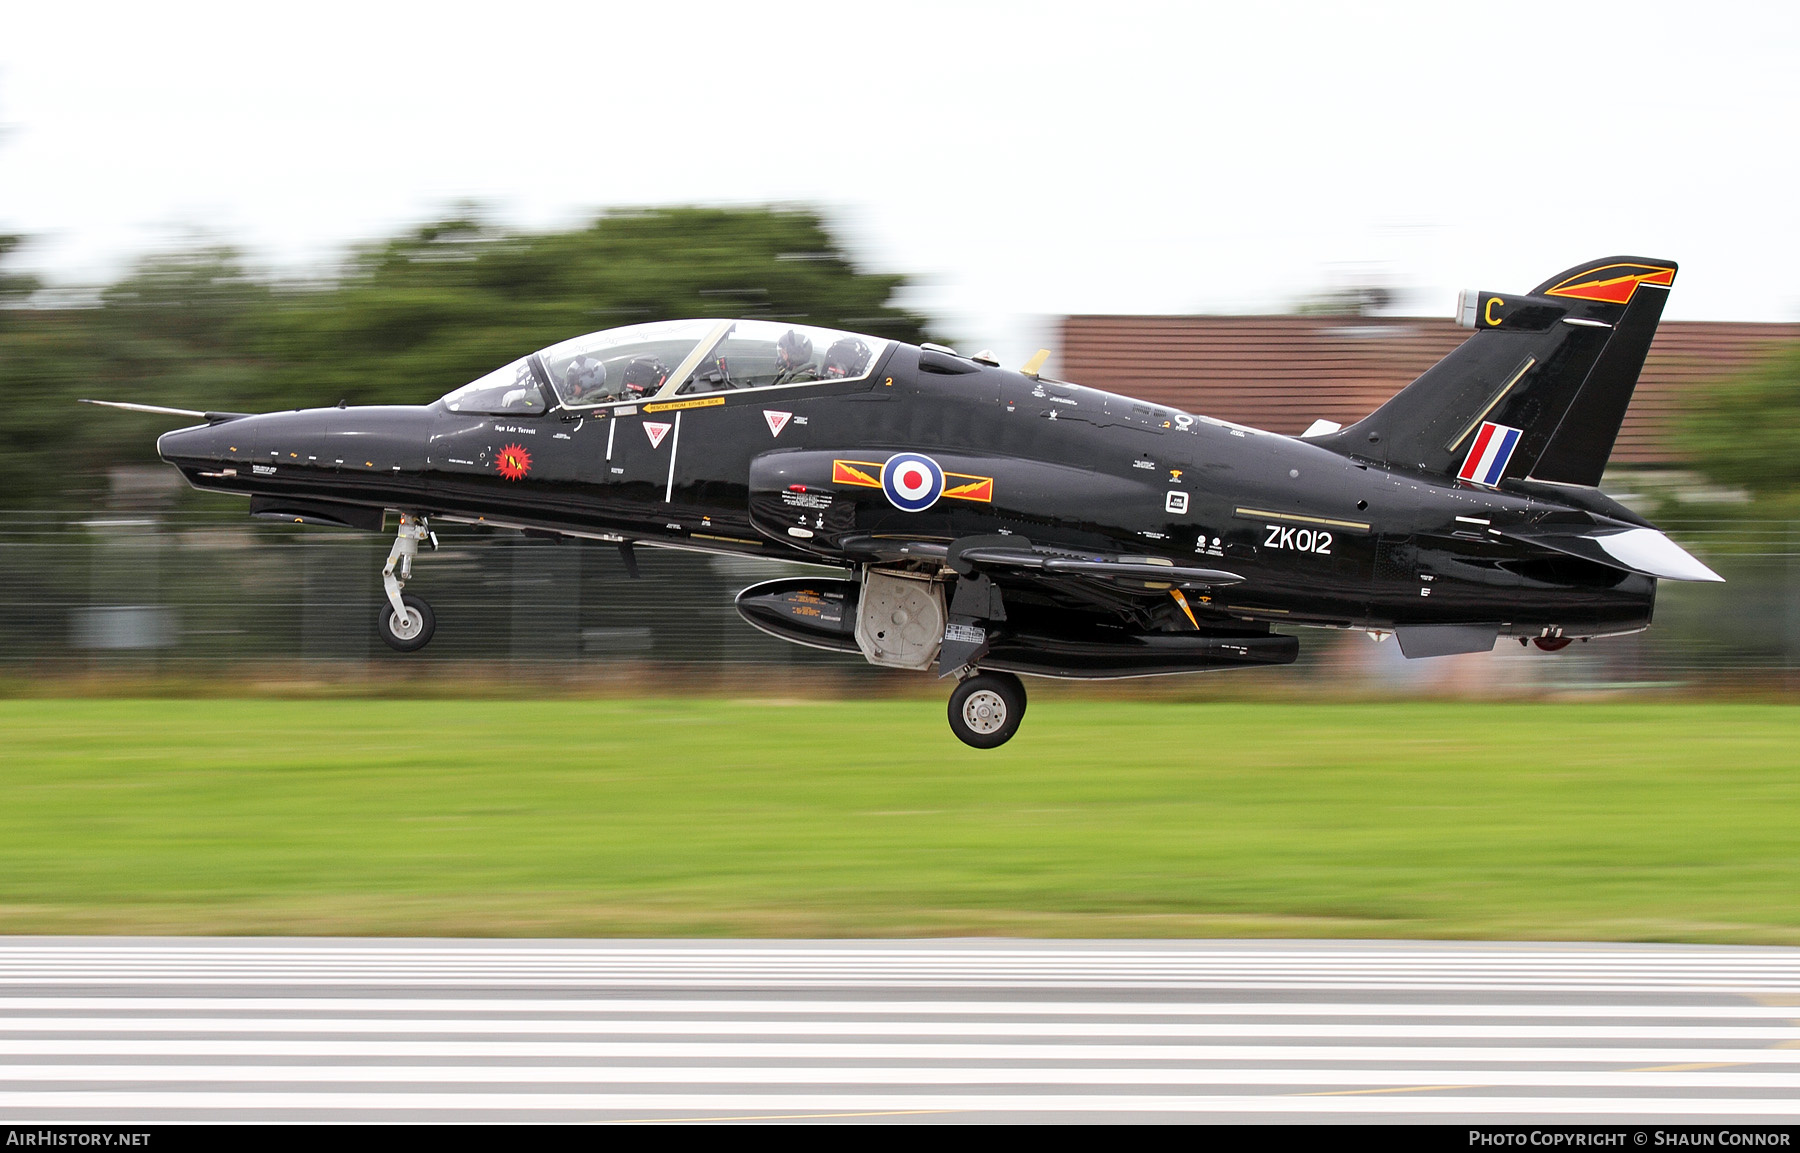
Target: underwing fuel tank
810, 611
821, 613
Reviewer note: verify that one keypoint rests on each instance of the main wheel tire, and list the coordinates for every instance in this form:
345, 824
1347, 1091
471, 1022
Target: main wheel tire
1018, 687
409, 635
986, 709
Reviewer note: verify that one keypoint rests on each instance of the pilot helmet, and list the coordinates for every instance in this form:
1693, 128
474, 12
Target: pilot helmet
793, 350
846, 358
585, 380
645, 374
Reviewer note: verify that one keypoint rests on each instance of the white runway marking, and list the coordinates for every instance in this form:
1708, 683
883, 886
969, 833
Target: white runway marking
108, 1030
647, 1106
768, 1025
587, 1075
351, 1049
1158, 965
918, 1010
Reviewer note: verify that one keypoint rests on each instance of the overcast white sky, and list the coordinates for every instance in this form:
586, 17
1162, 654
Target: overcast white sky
1021, 159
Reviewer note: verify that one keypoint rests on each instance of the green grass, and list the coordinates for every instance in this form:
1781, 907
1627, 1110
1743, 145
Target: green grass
1663, 821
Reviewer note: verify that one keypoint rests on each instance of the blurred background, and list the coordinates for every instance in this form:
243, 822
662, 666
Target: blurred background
1259, 213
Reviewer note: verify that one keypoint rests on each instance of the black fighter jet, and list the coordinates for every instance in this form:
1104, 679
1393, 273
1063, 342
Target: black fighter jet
991, 522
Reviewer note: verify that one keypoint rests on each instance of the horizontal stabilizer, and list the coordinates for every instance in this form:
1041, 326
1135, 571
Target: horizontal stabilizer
1640, 550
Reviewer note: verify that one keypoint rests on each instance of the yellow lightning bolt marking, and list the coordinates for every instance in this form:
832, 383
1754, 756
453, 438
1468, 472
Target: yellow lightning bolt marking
857, 475
967, 485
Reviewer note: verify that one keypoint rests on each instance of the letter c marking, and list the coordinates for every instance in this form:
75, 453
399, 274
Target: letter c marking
1487, 313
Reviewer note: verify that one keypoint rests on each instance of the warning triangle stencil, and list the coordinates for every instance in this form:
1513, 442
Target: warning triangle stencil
777, 420
656, 432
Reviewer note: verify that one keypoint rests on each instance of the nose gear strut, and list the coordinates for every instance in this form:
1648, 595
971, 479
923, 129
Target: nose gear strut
405, 622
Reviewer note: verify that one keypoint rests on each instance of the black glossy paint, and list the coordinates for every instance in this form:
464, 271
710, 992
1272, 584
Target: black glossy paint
1358, 529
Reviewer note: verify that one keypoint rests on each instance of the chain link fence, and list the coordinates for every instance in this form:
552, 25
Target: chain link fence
220, 595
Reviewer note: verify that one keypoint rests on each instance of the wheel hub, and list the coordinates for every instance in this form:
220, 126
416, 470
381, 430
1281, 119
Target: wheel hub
406, 627
985, 711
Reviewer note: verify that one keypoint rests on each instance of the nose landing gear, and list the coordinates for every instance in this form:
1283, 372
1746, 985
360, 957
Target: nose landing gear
986, 708
410, 632
405, 622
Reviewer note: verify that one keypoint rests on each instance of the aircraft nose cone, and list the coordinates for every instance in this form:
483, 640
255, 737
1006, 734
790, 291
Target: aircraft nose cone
203, 442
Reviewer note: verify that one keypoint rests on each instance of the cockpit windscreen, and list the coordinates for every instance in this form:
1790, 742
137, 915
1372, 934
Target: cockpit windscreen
765, 354
510, 389
621, 363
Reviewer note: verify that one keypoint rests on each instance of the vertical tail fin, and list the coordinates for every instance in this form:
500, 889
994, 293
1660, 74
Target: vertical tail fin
1539, 391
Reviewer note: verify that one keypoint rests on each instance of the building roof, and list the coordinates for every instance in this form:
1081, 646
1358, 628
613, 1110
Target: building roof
1283, 372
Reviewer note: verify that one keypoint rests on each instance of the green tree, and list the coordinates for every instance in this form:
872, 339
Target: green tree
1746, 432
414, 317
403, 321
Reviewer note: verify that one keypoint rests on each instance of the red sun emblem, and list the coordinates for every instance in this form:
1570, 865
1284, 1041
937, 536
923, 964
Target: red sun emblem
514, 462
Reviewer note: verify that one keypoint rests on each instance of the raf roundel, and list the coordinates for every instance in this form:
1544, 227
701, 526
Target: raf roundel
912, 481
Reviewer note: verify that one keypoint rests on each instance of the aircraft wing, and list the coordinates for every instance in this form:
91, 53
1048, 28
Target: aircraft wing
1002, 556
1007, 578
1141, 572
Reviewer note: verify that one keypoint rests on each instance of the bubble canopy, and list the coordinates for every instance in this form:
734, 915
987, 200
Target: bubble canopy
672, 357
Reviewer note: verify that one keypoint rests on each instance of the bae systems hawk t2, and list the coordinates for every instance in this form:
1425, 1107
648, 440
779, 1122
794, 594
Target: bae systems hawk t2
990, 523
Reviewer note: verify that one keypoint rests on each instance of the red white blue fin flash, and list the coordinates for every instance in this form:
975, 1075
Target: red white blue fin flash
1493, 447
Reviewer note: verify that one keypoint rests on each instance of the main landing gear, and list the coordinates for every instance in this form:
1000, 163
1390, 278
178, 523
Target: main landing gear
986, 708
405, 622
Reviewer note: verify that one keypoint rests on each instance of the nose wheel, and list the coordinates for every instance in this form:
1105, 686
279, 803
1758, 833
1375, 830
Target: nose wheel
408, 630
405, 622
985, 709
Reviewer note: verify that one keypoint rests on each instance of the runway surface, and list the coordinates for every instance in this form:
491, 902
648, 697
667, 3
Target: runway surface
108, 1030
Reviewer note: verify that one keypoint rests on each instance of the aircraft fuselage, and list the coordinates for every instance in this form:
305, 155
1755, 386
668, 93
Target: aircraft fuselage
1319, 538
